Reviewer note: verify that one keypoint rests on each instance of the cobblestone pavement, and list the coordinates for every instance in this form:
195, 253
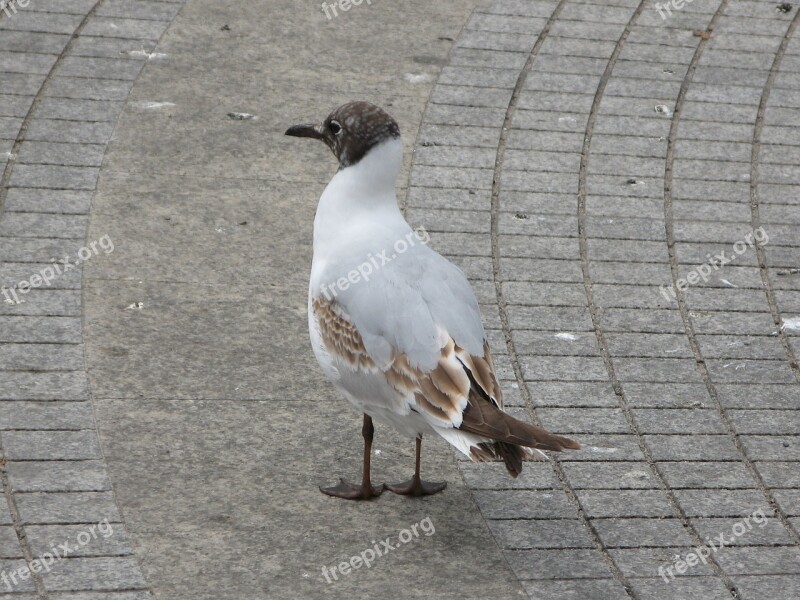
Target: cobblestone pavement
66, 69
579, 160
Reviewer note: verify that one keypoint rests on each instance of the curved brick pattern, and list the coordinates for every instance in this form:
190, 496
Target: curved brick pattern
595, 155
66, 68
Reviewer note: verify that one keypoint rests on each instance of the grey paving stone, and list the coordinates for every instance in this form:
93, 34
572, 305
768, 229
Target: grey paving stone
659, 370
681, 421
528, 293
103, 47
782, 587
9, 127
101, 573
636, 532
25, 415
662, 345
138, 9
613, 476
15, 566
40, 329
540, 533
54, 177
721, 502
100, 539
58, 476
717, 322
625, 503
43, 225
667, 395
741, 347
558, 271
42, 22
24, 84
472, 57
22, 62
520, 223
779, 474
770, 422
428, 197
497, 78
5, 516
63, 508
683, 475
493, 476
84, 88
124, 28
547, 393
43, 302
557, 564
78, 110
580, 368
739, 532
118, 595
40, 200
41, 357
609, 446
75, 132
445, 177
685, 588
43, 43
770, 447
602, 589
450, 156
79, 155
584, 420
51, 445
9, 544
646, 562
524, 504
21, 280
640, 321
759, 371
691, 446
488, 40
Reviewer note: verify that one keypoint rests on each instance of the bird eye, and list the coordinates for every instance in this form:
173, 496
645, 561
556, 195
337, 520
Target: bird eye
335, 127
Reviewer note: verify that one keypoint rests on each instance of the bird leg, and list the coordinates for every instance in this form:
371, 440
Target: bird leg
415, 486
365, 491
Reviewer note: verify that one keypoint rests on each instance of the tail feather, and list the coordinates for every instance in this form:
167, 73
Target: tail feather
512, 455
511, 437
483, 418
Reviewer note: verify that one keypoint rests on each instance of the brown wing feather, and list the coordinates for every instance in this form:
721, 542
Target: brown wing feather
462, 387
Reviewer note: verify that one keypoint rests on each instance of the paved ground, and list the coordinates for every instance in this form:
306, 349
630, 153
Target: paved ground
576, 159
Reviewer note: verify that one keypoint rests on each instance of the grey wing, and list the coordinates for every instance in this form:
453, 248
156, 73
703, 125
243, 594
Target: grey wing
409, 302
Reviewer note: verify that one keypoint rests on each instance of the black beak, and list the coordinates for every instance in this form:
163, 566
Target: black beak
309, 131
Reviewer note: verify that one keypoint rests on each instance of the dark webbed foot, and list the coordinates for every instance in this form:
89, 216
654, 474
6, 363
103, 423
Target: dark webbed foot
417, 487
350, 491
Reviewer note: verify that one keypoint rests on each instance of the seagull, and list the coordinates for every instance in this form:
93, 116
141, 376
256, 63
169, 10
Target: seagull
394, 325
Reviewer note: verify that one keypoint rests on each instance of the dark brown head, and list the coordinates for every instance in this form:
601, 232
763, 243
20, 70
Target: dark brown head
351, 131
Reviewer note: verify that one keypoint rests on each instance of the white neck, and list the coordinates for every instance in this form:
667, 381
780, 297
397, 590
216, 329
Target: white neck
359, 195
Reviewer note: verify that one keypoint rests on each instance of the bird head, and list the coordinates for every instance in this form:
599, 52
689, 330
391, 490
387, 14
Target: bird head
351, 131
